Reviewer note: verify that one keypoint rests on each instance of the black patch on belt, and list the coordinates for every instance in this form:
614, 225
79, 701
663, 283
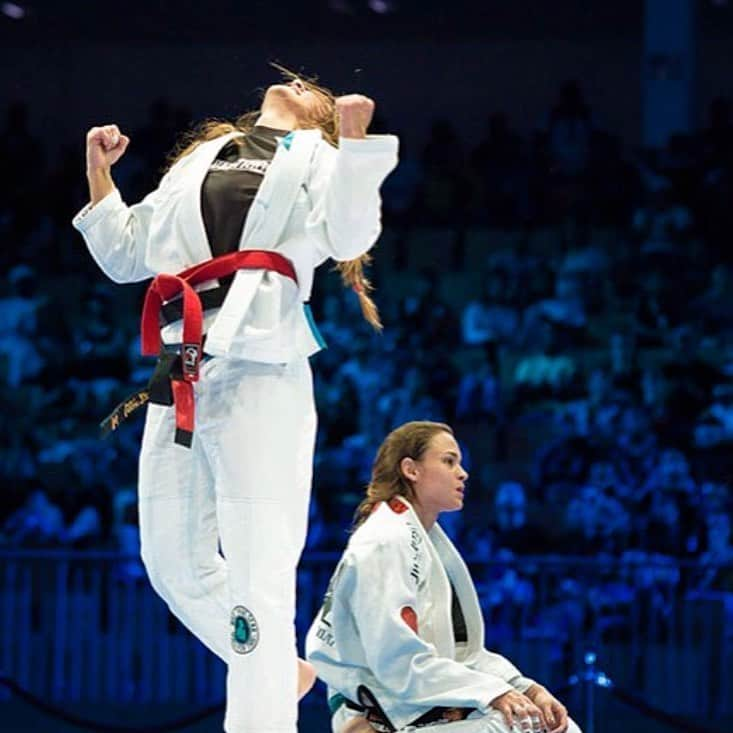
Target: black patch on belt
158, 392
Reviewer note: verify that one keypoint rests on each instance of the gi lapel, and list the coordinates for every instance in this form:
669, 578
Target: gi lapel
276, 196
441, 619
464, 587
191, 218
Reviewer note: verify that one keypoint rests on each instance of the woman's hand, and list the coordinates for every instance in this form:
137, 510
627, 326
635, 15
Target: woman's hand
355, 112
518, 710
554, 713
105, 146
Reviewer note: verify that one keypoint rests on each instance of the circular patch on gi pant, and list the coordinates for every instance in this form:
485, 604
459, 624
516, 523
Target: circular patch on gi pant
245, 631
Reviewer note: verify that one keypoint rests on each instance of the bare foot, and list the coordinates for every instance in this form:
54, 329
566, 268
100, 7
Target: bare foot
306, 678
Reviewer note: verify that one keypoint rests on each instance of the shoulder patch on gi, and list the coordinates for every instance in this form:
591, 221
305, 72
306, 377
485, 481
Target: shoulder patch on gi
245, 630
409, 617
397, 506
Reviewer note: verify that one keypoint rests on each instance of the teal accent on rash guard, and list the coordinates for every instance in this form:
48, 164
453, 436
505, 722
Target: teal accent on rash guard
312, 325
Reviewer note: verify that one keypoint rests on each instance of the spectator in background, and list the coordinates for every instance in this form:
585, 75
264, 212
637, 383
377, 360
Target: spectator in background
713, 438
425, 319
401, 196
637, 443
445, 191
657, 309
512, 528
85, 527
153, 142
401, 188
717, 138
719, 552
544, 372
583, 276
569, 130
664, 224
715, 214
715, 306
410, 398
614, 183
20, 181
624, 356
478, 391
671, 472
490, 321
596, 522
569, 135
126, 534
607, 476
565, 310
670, 508
690, 379
500, 177
38, 523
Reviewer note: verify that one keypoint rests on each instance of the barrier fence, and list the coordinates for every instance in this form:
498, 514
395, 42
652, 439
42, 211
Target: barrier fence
87, 628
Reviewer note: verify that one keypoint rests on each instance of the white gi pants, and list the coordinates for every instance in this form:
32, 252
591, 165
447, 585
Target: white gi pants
491, 722
244, 483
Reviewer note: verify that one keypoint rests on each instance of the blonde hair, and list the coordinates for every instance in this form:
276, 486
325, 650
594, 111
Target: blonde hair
327, 121
410, 440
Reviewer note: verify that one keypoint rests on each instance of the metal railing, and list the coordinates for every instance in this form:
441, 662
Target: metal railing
87, 627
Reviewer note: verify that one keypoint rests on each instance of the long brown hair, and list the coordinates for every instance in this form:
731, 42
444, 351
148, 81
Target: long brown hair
410, 440
327, 120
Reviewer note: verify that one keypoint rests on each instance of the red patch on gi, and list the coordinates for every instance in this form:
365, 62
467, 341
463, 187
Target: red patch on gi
397, 506
409, 617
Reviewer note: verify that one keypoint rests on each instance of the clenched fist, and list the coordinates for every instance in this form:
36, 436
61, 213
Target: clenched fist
355, 112
105, 146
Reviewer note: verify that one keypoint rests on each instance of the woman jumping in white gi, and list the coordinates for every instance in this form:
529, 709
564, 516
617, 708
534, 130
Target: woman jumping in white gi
232, 235
400, 638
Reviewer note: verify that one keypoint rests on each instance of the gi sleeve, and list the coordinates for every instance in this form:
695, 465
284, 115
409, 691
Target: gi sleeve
399, 659
344, 191
494, 664
116, 234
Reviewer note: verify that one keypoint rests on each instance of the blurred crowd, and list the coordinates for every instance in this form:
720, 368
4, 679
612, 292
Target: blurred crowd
562, 300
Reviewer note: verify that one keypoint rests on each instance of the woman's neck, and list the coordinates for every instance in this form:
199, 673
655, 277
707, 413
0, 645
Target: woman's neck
277, 118
427, 518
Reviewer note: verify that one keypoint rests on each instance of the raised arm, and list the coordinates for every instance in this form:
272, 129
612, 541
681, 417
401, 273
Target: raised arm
344, 185
115, 234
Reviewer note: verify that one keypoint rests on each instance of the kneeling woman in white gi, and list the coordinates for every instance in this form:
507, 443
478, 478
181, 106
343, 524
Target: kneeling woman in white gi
400, 638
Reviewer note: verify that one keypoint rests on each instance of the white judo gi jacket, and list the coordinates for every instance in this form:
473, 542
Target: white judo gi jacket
361, 635
315, 202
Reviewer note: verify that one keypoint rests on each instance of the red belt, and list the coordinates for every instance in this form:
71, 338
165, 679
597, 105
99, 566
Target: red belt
166, 287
